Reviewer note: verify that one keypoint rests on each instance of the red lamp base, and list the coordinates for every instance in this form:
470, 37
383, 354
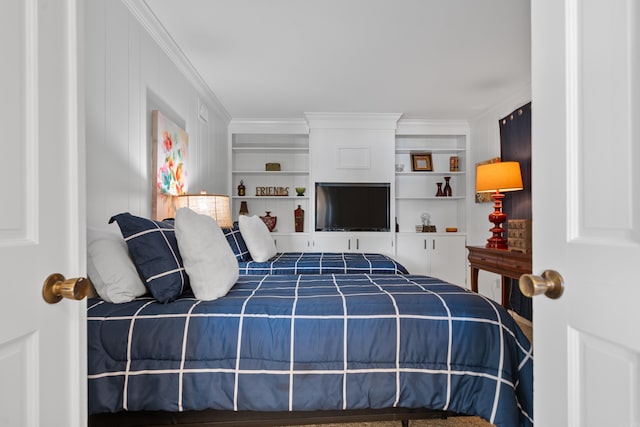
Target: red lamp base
497, 217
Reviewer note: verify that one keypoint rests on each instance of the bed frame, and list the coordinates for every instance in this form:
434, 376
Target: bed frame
214, 418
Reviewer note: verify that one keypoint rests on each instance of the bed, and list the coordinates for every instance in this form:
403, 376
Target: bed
324, 263
192, 342
309, 262
333, 343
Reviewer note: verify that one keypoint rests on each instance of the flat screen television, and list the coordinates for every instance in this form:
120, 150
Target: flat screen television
342, 206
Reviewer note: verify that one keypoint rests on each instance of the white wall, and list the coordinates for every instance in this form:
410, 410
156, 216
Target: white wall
128, 74
485, 144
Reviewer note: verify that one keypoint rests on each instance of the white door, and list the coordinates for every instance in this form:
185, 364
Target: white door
42, 346
586, 210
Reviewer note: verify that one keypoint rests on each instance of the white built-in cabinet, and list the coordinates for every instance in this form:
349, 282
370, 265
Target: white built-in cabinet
253, 144
356, 148
442, 256
359, 148
369, 242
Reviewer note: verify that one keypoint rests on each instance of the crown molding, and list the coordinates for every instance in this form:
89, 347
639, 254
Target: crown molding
141, 11
269, 126
379, 121
432, 127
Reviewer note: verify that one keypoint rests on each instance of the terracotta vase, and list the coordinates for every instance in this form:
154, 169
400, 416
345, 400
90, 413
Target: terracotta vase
269, 221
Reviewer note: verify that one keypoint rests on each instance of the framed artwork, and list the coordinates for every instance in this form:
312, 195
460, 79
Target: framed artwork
169, 157
485, 197
421, 162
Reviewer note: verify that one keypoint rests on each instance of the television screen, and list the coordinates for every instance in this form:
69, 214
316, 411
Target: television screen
352, 206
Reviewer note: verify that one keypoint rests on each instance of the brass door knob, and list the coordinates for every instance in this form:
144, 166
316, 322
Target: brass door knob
56, 287
549, 283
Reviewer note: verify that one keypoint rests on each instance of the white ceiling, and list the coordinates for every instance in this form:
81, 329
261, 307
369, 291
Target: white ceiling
431, 59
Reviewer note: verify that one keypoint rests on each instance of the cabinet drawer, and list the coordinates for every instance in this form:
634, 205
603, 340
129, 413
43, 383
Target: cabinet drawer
506, 263
485, 258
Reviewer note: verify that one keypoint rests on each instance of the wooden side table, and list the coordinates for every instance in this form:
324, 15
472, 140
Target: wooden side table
508, 264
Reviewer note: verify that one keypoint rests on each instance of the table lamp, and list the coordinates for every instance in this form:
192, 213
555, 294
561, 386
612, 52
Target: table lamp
497, 178
214, 205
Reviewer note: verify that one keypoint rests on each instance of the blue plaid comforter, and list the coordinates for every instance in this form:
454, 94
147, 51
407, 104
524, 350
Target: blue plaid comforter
323, 263
313, 342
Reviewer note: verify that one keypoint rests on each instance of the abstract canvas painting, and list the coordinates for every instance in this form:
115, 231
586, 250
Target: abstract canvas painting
485, 197
170, 143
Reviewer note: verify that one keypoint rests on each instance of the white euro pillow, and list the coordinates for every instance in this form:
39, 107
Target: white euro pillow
109, 267
208, 259
257, 237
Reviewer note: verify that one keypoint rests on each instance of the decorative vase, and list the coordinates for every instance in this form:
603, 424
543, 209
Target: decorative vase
439, 193
447, 188
241, 189
298, 215
269, 221
244, 210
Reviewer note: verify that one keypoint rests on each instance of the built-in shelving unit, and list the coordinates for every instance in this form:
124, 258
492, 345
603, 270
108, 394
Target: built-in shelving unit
308, 156
441, 254
416, 190
253, 144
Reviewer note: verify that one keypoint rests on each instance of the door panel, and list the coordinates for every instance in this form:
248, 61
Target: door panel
17, 405
448, 261
42, 346
18, 82
586, 206
592, 386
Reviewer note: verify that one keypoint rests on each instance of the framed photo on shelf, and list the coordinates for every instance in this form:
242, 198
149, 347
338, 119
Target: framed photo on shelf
421, 162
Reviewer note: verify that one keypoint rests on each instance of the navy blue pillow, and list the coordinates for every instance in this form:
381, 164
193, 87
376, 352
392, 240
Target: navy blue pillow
154, 250
238, 246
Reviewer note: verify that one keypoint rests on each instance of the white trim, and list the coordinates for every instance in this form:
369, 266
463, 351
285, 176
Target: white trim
371, 121
141, 11
432, 127
269, 126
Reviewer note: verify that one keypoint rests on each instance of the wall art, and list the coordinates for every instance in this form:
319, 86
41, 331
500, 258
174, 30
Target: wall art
169, 170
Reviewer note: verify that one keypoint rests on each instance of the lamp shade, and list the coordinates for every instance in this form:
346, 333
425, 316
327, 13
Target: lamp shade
501, 177
214, 205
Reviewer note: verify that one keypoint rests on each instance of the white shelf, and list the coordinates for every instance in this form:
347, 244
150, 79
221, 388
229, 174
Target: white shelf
263, 172
257, 149
440, 199
427, 173
430, 150
424, 233
273, 197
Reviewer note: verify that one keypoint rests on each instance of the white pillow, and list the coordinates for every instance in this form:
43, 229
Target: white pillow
208, 259
109, 267
257, 237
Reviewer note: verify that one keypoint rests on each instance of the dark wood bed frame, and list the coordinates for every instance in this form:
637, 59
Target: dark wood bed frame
213, 418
